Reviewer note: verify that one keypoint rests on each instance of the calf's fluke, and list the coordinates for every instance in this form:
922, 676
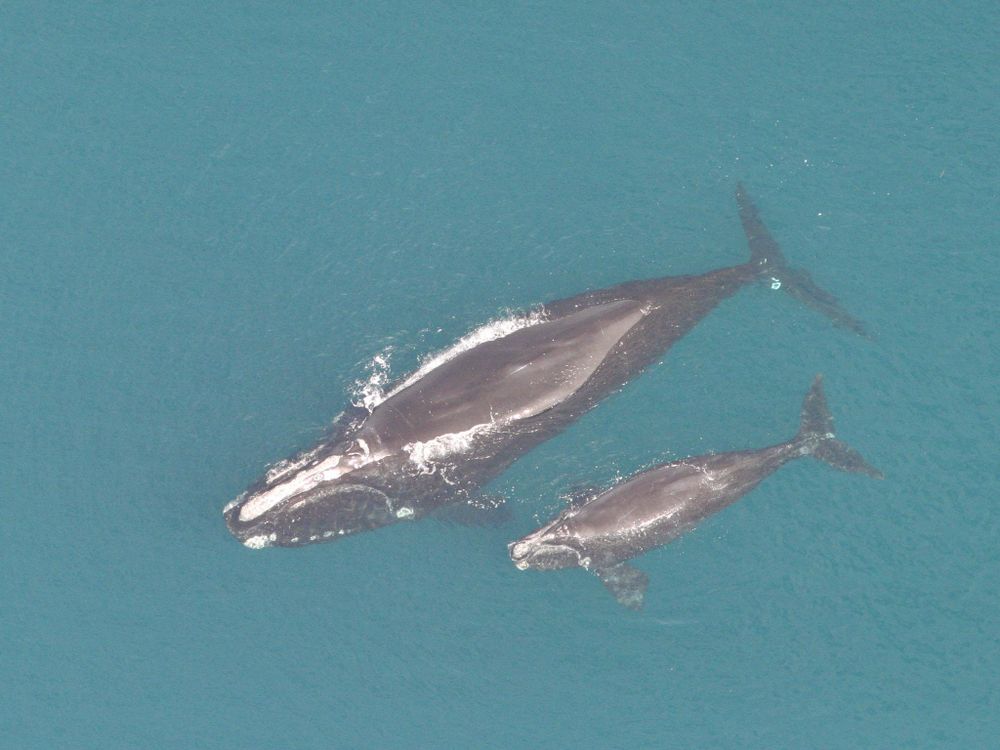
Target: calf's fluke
818, 439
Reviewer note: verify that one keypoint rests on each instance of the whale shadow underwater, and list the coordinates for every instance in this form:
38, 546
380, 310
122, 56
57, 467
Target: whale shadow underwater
602, 528
461, 419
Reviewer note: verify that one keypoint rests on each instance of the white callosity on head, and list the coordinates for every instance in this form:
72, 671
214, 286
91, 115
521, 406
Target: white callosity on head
327, 470
282, 468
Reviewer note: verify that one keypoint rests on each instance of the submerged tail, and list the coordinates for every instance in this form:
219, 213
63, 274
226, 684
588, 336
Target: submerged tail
765, 253
817, 437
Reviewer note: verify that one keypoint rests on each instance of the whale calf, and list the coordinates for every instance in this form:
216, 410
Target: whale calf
460, 420
600, 532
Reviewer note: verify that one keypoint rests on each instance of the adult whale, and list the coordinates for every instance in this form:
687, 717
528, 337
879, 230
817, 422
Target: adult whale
602, 529
460, 420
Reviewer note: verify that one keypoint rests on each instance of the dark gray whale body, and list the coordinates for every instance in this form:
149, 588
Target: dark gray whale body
447, 430
600, 532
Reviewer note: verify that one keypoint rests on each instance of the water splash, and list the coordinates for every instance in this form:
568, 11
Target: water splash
370, 392
427, 455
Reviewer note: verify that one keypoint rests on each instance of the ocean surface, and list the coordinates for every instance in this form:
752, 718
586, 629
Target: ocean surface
215, 216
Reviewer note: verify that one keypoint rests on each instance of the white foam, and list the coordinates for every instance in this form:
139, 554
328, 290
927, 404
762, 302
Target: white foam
425, 455
371, 392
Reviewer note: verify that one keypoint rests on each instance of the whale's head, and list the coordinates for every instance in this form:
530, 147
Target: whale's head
318, 496
548, 548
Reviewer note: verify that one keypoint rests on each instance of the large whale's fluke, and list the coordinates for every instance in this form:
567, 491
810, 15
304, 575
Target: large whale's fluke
765, 253
818, 439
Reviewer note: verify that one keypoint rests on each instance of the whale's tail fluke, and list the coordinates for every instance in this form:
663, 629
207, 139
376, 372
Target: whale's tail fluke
766, 254
817, 438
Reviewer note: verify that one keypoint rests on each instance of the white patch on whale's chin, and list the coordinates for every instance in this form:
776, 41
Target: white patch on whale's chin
260, 541
370, 393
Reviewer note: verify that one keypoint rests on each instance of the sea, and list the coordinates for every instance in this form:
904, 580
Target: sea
220, 223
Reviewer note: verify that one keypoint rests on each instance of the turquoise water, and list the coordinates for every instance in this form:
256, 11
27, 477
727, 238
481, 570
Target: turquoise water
215, 215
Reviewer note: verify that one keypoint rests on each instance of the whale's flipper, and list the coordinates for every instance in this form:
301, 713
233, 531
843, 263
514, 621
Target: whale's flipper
765, 253
626, 584
817, 437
